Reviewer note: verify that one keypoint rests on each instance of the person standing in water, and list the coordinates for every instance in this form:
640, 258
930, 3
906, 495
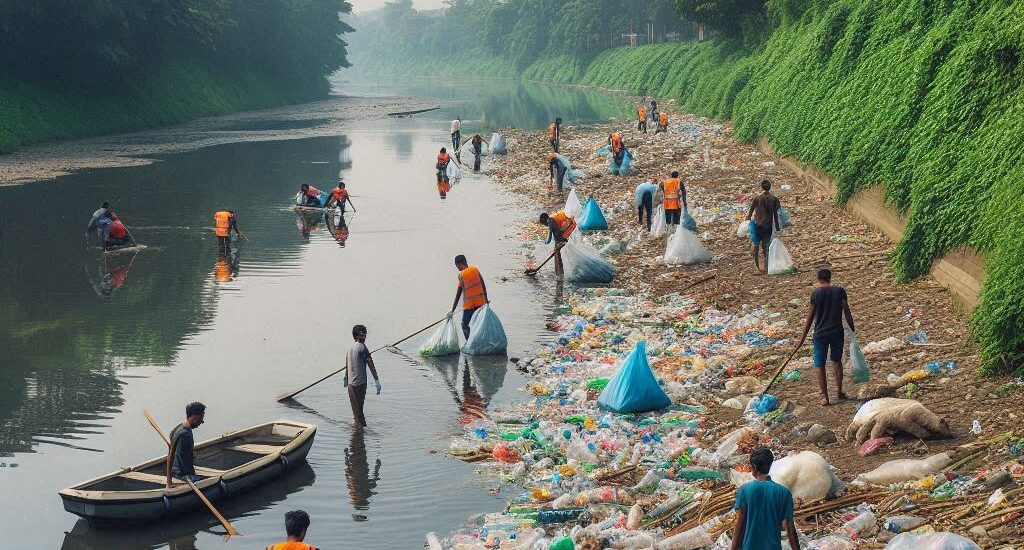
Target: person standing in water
357, 360
224, 222
296, 523
456, 131
560, 227
443, 185
101, 218
471, 289
339, 196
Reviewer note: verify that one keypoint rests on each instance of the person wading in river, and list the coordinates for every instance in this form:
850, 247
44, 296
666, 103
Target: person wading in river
443, 186
101, 219
555, 134
829, 305
471, 289
296, 523
456, 131
339, 196
116, 235
765, 212
357, 360
180, 456
560, 227
224, 222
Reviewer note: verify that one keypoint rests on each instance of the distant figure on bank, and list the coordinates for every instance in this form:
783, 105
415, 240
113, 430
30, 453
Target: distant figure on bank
339, 196
761, 508
645, 201
662, 122
296, 523
560, 227
224, 222
653, 111
476, 146
557, 170
309, 196
555, 134
471, 289
641, 118
764, 210
181, 455
116, 235
675, 199
443, 185
357, 360
101, 219
829, 305
456, 131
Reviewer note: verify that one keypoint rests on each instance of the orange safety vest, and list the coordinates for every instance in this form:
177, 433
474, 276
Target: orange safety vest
616, 142
223, 219
312, 192
672, 194
641, 114
565, 224
472, 284
443, 159
663, 119
551, 132
339, 194
291, 546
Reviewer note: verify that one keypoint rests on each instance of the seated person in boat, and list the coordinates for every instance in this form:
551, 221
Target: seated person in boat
116, 235
296, 523
309, 196
180, 457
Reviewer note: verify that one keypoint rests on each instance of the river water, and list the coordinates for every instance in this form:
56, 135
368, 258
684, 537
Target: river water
87, 342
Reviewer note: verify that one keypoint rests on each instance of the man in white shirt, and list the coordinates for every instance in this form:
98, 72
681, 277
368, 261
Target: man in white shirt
456, 133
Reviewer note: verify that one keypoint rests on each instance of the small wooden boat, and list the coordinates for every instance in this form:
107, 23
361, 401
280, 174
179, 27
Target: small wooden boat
228, 465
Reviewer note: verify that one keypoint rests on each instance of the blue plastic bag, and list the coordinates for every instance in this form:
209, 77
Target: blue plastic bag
766, 404
617, 169
592, 219
784, 218
643, 189
486, 334
585, 265
498, 145
858, 363
688, 221
634, 389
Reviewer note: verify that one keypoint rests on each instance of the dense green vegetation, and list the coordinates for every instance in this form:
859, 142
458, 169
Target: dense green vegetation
500, 37
98, 66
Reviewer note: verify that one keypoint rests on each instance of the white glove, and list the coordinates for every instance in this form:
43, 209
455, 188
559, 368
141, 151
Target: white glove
377, 383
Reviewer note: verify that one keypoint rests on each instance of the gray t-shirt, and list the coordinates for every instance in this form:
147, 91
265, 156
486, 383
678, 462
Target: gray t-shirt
356, 361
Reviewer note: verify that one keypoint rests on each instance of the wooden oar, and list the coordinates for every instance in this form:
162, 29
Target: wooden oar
778, 372
536, 269
288, 396
223, 521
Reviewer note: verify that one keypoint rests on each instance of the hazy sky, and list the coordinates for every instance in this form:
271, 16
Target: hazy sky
366, 5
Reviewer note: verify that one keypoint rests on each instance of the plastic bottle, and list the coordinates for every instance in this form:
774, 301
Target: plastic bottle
976, 427
860, 526
899, 524
558, 515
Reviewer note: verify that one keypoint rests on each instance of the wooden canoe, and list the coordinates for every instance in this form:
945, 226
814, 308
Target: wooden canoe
227, 465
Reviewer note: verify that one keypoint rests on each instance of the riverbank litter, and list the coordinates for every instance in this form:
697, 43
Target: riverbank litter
712, 333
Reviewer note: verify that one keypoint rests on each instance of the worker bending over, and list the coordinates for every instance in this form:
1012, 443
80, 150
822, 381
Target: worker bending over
644, 194
557, 169
471, 289
560, 227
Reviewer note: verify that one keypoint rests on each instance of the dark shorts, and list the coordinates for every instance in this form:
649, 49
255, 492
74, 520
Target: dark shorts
761, 235
673, 216
828, 346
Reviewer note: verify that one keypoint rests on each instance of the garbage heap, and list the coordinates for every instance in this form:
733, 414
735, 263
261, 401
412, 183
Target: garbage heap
587, 478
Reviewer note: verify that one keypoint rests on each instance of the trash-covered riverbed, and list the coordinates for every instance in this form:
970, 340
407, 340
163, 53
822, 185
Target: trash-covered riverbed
922, 455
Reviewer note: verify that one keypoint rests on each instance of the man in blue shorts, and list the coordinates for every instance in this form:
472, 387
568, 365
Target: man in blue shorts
828, 307
763, 216
761, 507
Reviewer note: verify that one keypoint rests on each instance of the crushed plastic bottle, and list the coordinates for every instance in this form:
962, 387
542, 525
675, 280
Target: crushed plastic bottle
863, 525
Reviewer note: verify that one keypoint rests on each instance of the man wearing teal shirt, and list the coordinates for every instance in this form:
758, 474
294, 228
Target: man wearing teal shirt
761, 507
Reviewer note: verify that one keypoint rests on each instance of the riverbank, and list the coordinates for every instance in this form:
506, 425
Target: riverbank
709, 328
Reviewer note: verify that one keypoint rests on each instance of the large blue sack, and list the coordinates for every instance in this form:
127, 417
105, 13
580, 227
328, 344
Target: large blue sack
486, 334
688, 222
617, 169
592, 219
784, 217
634, 389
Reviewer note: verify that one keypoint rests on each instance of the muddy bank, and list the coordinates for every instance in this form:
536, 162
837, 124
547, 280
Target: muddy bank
324, 118
918, 347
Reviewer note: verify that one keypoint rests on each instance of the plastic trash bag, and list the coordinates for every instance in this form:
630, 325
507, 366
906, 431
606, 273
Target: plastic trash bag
592, 219
498, 145
486, 334
454, 172
858, 363
807, 475
688, 222
784, 220
444, 341
684, 248
583, 264
617, 169
643, 189
658, 226
931, 541
320, 202
634, 389
779, 260
572, 175
904, 469
573, 207
743, 229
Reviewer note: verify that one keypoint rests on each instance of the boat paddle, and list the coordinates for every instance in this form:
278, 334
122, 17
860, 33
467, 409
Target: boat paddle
223, 521
536, 269
778, 372
287, 396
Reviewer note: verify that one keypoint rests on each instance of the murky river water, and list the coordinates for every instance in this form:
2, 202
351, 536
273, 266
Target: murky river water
87, 342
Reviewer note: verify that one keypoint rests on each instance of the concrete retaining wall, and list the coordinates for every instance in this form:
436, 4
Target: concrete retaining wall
961, 270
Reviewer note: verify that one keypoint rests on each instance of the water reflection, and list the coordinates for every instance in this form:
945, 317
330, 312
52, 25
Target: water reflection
481, 379
110, 272
362, 484
227, 266
182, 533
338, 227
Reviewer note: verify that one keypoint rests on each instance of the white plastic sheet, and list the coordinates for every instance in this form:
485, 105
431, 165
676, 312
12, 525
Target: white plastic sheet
486, 333
444, 341
498, 145
584, 264
685, 248
658, 226
779, 260
807, 475
454, 172
743, 230
573, 207
931, 541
